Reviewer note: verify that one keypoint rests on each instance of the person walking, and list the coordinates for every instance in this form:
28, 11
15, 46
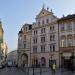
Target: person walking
53, 68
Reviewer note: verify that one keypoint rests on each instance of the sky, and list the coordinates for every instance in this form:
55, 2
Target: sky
15, 13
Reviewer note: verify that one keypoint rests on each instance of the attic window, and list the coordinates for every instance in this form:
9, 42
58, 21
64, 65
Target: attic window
43, 12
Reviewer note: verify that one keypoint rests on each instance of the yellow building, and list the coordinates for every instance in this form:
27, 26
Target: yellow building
3, 46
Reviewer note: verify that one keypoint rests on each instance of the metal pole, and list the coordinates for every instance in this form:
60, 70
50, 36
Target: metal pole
40, 71
28, 71
33, 70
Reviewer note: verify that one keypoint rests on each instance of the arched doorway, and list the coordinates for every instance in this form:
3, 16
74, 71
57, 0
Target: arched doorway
24, 58
43, 61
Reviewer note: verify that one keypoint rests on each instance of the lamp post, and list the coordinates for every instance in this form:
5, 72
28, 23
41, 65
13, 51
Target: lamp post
33, 62
51, 59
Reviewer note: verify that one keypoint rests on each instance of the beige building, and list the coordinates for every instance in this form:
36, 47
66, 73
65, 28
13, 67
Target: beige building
12, 56
67, 41
38, 43
3, 46
24, 45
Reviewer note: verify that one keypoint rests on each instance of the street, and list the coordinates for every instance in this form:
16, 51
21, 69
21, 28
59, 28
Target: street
11, 71
37, 71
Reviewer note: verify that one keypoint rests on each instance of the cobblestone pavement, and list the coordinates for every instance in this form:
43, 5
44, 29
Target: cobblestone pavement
46, 71
37, 71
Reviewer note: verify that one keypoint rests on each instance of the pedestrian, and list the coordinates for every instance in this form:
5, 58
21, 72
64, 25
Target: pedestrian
53, 68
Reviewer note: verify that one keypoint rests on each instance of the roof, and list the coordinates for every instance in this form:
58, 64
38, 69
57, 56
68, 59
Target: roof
43, 13
20, 31
66, 17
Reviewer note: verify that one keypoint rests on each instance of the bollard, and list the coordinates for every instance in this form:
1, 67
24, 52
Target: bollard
33, 70
40, 71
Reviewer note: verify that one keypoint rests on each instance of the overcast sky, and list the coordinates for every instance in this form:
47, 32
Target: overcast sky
14, 13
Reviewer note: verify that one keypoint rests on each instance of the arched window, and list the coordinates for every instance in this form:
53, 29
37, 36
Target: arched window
43, 61
24, 58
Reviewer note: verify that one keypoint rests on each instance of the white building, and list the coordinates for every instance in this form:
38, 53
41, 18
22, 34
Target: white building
44, 40
39, 44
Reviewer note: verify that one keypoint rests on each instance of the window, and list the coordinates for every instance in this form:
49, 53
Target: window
25, 29
42, 22
52, 37
51, 28
34, 49
38, 23
42, 48
43, 30
47, 20
24, 37
20, 37
19, 45
24, 46
62, 27
35, 40
69, 26
42, 39
43, 61
52, 47
69, 42
63, 43
35, 32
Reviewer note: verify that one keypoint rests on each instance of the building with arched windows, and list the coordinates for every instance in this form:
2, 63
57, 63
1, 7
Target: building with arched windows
38, 42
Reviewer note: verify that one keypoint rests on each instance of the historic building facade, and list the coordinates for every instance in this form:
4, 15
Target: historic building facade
38, 42
44, 40
24, 45
3, 46
67, 41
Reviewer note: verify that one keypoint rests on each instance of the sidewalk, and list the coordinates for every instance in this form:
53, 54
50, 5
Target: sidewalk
46, 71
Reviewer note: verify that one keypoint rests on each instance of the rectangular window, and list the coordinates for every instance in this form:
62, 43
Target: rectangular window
63, 43
24, 46
52, 47
43, 39
35, 49
24, 37
38, 23
69, 42
62, 27
47, 20
42, 48
52, 37
69, 26
35, 32
43, 30
42, 22
52, 28
35, 40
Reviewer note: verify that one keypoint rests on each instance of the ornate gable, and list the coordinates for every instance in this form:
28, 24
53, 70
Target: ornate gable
43, 13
